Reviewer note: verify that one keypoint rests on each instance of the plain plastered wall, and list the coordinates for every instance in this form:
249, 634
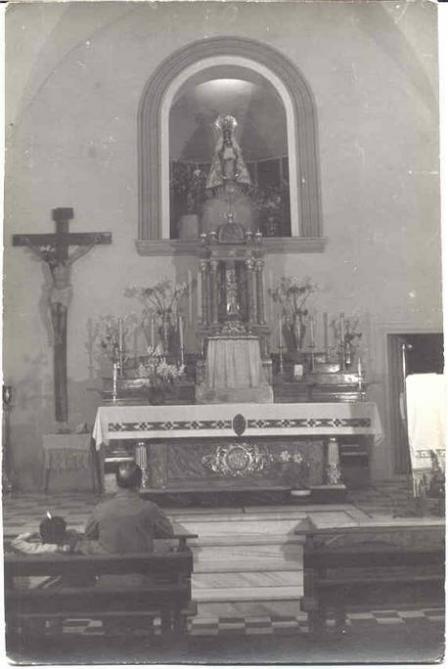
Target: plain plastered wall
75, 75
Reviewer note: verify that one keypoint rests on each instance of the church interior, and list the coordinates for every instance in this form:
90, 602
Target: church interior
222, 262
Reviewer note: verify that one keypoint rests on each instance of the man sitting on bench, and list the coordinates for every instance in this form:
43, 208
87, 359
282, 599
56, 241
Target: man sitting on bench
126, 523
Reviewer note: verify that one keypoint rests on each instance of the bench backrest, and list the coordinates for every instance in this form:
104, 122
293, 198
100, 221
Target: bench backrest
174, 565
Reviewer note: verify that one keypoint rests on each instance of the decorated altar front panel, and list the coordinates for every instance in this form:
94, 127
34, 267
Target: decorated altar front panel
236, 445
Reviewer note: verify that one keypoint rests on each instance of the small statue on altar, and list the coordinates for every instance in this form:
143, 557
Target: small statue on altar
226, 181
232, 306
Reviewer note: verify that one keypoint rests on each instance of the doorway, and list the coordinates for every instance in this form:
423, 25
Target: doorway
423, 355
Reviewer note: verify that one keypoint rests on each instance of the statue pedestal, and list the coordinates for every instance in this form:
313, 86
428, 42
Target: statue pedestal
234, 372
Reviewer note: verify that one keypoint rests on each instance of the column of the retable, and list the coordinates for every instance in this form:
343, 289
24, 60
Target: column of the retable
259, 264
251, 306
214, 291
203, 268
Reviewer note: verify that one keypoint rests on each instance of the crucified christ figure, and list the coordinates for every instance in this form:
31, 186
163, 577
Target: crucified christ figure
60, 290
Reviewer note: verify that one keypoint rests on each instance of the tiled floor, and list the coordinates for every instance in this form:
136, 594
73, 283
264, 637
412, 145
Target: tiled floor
276, 626
22, 513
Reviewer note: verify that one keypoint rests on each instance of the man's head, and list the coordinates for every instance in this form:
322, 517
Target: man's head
52, 530
129, 475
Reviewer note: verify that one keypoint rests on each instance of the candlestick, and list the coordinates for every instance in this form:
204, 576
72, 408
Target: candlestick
280, 346
325, 319
181, 340
199, 295
135, 344
312, 339
120, 334
342, 322
190, 297
342, 342
360, 378
152, 333
114, 381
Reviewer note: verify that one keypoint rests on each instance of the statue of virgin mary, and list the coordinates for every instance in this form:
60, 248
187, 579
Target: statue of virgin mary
228, 172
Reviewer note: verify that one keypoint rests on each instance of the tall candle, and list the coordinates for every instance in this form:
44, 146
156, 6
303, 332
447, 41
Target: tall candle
325, 332
152, 333
312, 334
120, 334
181, 339
135, 343
342, 320
114, 381
360, 379
199, 295
190, 297
269, 299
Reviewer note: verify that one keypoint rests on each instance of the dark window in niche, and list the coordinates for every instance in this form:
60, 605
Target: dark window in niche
260, 137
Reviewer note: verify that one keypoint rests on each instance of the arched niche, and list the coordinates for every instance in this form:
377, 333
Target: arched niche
161, 92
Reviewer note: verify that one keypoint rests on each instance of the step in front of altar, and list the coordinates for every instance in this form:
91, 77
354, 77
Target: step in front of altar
248, 562
248, 576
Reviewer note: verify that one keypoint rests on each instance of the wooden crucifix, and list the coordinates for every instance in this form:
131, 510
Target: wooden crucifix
53, 249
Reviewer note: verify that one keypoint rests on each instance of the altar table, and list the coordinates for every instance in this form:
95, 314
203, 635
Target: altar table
233, 444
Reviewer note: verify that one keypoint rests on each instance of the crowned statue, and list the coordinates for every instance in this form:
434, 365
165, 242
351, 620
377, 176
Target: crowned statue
227, 180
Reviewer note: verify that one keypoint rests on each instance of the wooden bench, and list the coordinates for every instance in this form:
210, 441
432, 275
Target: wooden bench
377, 566
78, 593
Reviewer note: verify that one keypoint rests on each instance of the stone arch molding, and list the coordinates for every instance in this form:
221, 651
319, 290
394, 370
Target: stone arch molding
153, 135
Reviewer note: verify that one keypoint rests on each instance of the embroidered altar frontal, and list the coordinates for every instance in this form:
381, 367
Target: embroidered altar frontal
235, 445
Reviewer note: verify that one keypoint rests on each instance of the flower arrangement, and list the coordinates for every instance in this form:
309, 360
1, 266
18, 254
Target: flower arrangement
161, 299
271, 205
294, 469
159, 373
187, 183
162, 305
349, 329
346, 332
106, 332
291, 295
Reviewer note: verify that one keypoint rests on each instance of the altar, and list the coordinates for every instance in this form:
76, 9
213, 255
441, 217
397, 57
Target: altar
272, 408
230, 446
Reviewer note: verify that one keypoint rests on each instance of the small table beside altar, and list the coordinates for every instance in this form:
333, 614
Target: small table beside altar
63, 453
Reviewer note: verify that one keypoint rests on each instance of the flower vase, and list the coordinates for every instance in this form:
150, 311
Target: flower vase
167, 334
271, 227
299, 331
157, 395
348, 354
289, 338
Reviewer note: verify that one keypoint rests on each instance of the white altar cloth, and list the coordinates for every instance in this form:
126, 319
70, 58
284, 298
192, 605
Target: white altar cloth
331, 419
234, 362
